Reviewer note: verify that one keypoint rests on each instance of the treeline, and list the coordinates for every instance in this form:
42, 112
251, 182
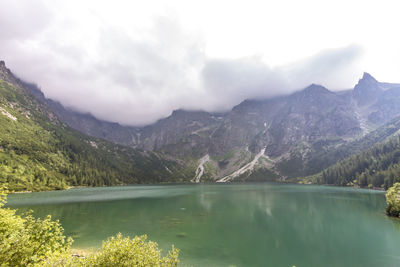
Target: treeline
40, 153
378, 166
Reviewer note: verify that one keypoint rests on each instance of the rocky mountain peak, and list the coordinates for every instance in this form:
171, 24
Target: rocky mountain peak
316, 88
177, 112
313, 91
367, 90
5, 74
3, 68
367, 80
368, 77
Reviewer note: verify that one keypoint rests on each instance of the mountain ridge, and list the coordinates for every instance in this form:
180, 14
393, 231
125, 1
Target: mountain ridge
293, 128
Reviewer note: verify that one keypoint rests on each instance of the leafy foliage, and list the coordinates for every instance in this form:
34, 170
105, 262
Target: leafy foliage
120, 251
393, 200
37, 152
26, 241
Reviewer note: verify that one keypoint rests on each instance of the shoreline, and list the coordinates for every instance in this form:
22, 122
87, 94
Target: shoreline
193, 183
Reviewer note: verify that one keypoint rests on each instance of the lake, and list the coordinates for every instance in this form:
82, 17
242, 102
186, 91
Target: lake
256, 224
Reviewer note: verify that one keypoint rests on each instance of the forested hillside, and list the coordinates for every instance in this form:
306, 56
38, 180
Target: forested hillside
38, 152
321, 157
378, 166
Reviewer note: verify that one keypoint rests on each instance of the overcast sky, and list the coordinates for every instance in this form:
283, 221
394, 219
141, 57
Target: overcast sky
134, 62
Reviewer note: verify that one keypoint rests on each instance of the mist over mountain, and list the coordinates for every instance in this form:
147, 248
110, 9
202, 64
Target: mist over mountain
291, 132
142, 91
134, 66
136, 74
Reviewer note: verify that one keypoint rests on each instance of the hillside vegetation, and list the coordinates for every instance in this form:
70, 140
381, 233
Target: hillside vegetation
321, 157
378, 166
37, 152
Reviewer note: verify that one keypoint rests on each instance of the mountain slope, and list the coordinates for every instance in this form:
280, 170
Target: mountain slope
296, 130
322, 159
378, 166
38, 152
86, 123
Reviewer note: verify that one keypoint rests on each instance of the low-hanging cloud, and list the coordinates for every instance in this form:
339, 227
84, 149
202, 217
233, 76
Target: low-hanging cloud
232, 81
136, 78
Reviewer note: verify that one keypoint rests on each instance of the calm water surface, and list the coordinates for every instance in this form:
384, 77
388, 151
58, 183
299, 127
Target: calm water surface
234, 224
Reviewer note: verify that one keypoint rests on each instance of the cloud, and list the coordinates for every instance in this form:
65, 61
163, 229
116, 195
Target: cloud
334, 68
22, 21
232, 81
135, 77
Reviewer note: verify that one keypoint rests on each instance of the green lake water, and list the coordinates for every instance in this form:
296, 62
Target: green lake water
260, 224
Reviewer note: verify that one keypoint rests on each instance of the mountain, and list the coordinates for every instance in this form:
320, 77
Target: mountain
368, 90
377, 166
380, 101
323, 158
294, 132
86, 123
39, 152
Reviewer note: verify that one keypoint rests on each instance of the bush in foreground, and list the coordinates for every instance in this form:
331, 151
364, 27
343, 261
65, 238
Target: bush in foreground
26, 241
120, 251
393, 200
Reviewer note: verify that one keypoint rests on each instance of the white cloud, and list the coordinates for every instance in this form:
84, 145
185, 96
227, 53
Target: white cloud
134, 62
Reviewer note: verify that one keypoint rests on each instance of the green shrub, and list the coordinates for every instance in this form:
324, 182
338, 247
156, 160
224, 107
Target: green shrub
120, 251
393, 200
26, 241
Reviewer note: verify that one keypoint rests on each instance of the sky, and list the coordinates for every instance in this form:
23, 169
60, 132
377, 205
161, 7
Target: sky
134, 62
